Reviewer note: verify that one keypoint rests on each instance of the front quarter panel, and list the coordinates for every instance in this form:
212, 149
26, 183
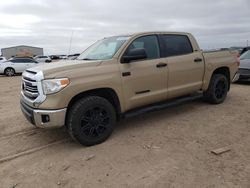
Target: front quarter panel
105, 75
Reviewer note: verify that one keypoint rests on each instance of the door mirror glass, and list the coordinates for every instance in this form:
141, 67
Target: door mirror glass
134, 54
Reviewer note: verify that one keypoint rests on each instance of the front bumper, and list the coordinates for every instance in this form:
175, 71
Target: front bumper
44, 118
244, 74
236, 77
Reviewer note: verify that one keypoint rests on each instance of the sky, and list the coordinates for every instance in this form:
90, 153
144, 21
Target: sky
55, 24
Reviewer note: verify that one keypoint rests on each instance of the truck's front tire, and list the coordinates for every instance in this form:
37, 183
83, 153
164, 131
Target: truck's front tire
217, 90
91, 120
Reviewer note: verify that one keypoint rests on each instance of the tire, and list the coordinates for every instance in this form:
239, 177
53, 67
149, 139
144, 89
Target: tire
91, 120
9, 72
217, 90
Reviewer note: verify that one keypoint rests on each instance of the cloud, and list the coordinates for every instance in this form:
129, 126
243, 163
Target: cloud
50, 24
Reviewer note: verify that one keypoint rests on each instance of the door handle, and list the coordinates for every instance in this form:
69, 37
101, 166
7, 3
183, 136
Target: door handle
161, 65
126, 74
197, 60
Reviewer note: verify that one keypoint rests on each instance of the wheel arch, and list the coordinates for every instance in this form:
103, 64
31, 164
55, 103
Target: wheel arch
9, 68
224, 71
107, 93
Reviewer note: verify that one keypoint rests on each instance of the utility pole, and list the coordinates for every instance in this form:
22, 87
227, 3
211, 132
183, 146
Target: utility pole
70, 42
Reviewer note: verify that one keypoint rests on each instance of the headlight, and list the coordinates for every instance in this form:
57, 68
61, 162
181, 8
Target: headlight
54, 85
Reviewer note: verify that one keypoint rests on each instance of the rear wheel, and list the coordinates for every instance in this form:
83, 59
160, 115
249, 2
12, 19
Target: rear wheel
217, 90
9, 72
91, 120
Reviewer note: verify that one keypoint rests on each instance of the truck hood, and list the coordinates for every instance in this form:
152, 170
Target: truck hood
245, 64
60, 68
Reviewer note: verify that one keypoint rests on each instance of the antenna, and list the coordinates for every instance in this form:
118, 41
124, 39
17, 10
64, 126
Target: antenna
70, 42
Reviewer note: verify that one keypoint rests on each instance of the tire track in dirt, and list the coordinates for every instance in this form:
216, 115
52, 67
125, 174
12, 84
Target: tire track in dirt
30, 151
28, 132
27, 142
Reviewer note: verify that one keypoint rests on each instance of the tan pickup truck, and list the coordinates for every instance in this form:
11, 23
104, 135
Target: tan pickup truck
119, 74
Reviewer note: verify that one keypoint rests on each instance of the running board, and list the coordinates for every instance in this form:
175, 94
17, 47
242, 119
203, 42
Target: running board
162, 105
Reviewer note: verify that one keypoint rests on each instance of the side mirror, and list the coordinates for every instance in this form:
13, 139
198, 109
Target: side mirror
134, 54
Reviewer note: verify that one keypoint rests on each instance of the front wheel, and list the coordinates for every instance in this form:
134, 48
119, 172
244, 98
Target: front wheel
217, 90
91, 120
9, 72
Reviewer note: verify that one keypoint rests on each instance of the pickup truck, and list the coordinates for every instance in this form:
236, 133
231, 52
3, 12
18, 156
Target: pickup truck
119, 74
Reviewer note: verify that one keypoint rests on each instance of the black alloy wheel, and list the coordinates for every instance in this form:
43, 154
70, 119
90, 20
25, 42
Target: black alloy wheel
217, 90
220, 88
95, 122
91, 120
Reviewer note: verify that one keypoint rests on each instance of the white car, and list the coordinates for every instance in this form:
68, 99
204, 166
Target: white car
63, 56
16, 65
2, 59
43, 59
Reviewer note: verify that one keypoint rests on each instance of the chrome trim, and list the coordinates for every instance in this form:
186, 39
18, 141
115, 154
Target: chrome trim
236, 77
31, 89
57, 118
31, 94
38, 77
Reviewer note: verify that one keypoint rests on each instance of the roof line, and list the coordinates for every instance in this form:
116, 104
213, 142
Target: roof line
21, 46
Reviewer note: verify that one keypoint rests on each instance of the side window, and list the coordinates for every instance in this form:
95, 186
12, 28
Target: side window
21, 60
14, 60
29, 60
176, 45
33, 61
149, 43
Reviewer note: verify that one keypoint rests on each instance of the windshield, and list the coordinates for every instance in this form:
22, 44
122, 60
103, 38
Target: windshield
104, 49
246, 55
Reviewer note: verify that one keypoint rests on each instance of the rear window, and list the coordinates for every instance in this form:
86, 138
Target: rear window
176, 45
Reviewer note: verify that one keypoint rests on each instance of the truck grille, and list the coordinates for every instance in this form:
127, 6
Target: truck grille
29, 87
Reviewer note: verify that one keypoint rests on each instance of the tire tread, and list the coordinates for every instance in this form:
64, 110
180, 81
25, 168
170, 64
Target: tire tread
74, 109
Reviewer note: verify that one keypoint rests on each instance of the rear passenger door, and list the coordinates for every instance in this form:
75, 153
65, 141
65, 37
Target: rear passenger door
185, 66
18, 65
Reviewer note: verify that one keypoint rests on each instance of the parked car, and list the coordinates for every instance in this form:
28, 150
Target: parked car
54, 57
121, 75
245, 49
43, 59
239, 49
16, 65
63, 56
244, 69
73, 56
2, 59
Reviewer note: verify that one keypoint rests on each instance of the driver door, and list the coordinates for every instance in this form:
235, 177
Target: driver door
144, 81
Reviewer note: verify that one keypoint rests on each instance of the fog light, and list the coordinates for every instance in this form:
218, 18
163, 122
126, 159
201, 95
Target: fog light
45, 118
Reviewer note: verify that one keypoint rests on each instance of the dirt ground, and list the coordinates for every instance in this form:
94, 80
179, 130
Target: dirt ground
168, 148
